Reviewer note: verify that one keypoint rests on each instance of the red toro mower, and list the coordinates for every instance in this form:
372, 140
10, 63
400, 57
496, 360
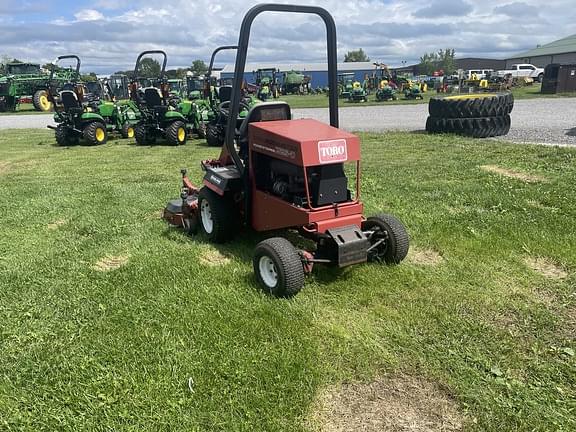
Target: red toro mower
277, 173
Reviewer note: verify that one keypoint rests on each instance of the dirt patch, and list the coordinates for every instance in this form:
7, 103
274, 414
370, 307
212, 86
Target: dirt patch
394, 404
109, 263
546, 268
426, 257
214, 258
56, 224
4, 167
518, 175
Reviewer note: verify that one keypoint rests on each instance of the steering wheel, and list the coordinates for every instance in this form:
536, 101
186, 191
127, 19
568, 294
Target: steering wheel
224, 108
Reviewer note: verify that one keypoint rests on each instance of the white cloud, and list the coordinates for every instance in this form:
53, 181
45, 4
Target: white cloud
389, 30
88, 15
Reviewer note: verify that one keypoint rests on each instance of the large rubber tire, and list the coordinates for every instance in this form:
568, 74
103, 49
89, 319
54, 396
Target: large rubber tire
396, 240
64, 136
219, 218
176, 133
213, 136
278, 267
41, 102
95, 133
472, 105
483, 127
127, 131
143, 137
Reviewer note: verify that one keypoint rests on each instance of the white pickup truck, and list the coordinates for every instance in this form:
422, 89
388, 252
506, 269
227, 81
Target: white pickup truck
523, 70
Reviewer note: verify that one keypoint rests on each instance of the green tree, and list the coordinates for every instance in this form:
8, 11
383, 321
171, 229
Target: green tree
91, 76
356, 56
440, 60
149, 68
199, 67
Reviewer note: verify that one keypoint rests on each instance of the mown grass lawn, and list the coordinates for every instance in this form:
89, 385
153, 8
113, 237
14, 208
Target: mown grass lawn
110, 320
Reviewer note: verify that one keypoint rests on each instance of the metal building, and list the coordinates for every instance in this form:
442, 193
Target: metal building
318, 72
560, 51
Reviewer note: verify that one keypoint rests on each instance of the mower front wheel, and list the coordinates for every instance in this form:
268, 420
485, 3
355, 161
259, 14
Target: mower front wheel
143, 136
278, 267
218, 216
388, 238
213, 136
127, 130
95, 133
65, 137
176, 133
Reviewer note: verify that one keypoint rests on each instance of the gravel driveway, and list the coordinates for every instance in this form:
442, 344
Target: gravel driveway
546, 121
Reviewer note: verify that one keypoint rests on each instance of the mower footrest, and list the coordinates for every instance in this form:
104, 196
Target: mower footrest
351, 244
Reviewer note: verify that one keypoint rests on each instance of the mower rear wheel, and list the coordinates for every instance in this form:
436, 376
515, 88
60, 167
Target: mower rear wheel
218, 216
176, 133
95, 133
391, 236
143, 136
64, 137
278, 267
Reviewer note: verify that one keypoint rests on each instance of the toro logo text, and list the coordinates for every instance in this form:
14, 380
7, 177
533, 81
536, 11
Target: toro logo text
332, 151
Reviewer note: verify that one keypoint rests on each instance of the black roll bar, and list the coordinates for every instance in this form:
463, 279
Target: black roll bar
64, 57
144, 53
243, 41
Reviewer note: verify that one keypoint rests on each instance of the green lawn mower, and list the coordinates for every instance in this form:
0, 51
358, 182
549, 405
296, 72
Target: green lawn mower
358, 93
219, 100
74, 112
412, 91
385, 92
90, 111
345, 83
159, 118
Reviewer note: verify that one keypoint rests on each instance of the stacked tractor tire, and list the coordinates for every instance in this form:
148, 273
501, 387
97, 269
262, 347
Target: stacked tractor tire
476, 115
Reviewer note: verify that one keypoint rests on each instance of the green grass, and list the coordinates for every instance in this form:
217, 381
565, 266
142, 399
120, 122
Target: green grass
23, 109
82, 349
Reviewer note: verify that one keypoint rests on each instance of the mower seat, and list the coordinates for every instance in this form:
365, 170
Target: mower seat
225, 93
265, 111
69, 99
152, 97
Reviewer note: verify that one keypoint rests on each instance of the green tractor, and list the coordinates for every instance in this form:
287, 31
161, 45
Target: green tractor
294, 82
219, 103
89, 111
27, 79
195, 86
177, 88
267, 82
159, 118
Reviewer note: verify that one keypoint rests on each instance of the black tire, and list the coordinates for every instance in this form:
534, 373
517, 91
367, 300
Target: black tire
95, 133
201, 132
540, 77
127, 131
41, 102
3, 105
396, 242
472, 105
176, 133
213, 136
64, 136
219, 218
482, 127
143, 136
278, 267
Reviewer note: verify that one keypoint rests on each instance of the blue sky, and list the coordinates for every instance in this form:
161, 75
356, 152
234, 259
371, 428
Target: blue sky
109, 34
